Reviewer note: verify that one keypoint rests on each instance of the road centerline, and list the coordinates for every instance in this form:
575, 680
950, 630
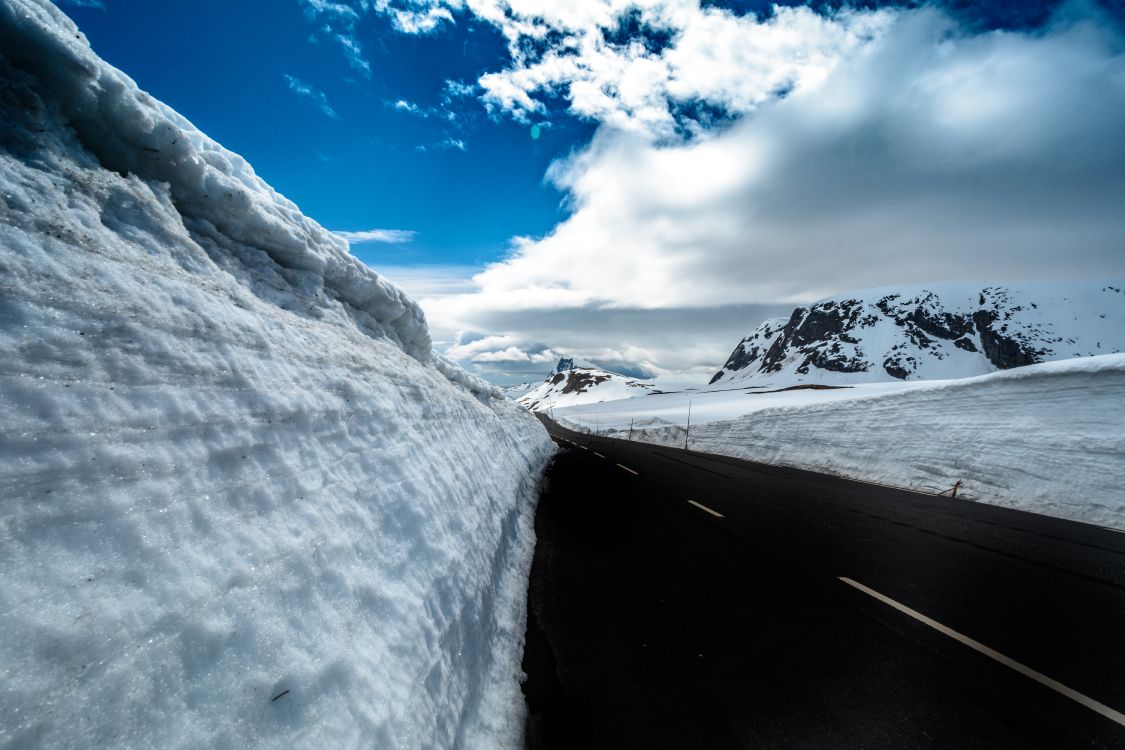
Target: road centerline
1042, 679
704, 508
626, 468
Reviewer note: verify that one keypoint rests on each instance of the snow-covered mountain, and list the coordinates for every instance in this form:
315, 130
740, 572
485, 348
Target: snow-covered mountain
582, 383
518, 390
936, 332
244, 505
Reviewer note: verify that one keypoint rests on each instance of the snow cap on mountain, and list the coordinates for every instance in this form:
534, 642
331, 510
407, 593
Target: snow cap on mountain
576, 382
936, 332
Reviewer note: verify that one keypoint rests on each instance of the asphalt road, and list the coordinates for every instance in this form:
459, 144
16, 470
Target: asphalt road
654, 622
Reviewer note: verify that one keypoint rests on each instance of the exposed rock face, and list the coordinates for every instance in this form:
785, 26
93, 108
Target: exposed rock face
938, 332
1003, 350
580, 381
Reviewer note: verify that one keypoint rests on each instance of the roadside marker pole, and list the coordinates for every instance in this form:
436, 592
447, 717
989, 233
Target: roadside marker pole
687, 433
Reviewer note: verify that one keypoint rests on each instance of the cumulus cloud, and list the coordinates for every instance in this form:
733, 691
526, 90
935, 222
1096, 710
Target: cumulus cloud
501, 349
393, 236
315, 96
926, 156
668, 69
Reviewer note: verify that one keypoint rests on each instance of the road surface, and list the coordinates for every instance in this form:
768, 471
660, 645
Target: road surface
684, 600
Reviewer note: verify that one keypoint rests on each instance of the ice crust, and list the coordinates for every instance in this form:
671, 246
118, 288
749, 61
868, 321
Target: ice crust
243, 503
1047, 438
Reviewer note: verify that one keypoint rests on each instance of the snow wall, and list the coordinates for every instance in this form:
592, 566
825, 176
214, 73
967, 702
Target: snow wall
1045, 438
243, 505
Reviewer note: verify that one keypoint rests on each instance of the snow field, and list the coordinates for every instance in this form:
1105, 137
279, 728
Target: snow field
1046, 438
243, 505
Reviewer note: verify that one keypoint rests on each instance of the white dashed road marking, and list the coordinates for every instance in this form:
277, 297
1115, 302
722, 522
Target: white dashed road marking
626, 468
703, 507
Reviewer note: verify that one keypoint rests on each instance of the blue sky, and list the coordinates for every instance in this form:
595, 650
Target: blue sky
639, 183
465, 185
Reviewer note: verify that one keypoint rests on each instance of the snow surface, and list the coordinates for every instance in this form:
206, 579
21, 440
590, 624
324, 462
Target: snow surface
1047, 438
937, 332
244, 505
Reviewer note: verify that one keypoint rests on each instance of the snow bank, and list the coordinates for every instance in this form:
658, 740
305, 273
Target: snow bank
243, 505
1046, 438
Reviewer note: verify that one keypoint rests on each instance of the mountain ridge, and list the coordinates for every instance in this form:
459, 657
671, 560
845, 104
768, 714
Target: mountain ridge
932, 332
583, 383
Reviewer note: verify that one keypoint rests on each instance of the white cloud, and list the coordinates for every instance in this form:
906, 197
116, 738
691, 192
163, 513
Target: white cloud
317, 97
501, 349
922, 154
353, 51
687, 61
431, 281
393, 236
925, 156
420, 21
337, 21
337, 10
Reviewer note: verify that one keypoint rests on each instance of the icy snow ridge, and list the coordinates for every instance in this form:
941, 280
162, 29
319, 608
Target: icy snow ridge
244, 506
1045, 438
219, 198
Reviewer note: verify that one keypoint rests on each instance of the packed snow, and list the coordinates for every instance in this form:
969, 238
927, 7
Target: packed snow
1046, 438
244, 505
937, 332
582, 383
